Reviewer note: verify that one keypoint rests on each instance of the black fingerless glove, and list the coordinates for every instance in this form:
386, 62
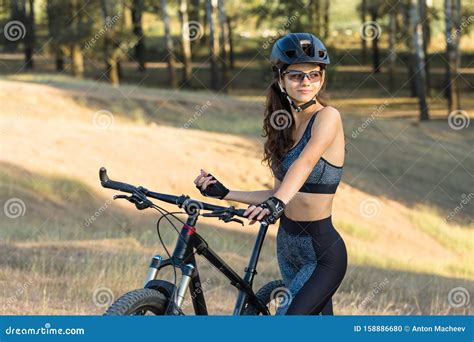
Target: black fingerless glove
276, 207
216, 190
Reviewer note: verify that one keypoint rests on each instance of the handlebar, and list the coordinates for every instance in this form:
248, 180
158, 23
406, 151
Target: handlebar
176, 200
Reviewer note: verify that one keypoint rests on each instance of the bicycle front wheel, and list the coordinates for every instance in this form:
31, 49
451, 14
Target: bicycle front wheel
139, 303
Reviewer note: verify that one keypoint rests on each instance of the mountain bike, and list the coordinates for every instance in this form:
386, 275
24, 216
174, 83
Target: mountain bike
161, 297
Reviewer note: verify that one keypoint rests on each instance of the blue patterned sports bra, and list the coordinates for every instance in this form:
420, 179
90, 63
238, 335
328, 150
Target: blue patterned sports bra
323, 179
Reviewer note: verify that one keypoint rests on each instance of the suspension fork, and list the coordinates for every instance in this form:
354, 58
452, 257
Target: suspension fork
185, 251
183, 257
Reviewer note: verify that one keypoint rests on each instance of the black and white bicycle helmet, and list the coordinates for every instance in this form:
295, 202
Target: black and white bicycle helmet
297, 48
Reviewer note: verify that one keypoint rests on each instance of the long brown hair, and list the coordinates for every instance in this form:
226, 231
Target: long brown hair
279, 121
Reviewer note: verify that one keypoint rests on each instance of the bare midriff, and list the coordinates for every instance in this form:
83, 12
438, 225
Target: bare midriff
308, 206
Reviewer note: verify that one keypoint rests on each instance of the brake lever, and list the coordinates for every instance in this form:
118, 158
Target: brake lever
215, 213
122, 196
140, 203
227, 219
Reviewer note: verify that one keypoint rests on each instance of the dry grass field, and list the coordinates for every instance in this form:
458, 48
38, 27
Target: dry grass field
402, 183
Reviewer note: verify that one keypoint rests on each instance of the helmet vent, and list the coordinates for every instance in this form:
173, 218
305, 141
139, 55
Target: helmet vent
290, 53
322, 53
307, 47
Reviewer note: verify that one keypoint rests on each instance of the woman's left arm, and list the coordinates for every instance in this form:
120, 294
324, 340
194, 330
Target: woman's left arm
323, 134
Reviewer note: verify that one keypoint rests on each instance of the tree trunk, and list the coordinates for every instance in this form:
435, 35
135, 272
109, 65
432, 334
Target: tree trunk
114, 73
77, 61
193, 11
213, 42
419, 76
205, 37
391, 43
317, 17
425, 24
224, 45
185, 42
375, 47
117, 61
231, 43
169, 46
448, 20
195, 17
452, 46
457, 55
451, 10
53, 27
17, 12
59, 58
137, 14
409, 43
363, 52
111, 61
77, 56
326, 19
30, 35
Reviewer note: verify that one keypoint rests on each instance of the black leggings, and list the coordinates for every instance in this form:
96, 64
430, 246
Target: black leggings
312, 257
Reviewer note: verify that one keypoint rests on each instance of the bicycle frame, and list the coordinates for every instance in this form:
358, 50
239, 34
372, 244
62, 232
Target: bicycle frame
188, 242
183, 257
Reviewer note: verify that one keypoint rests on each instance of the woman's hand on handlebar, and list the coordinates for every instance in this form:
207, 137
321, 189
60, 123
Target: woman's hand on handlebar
271, 209
256, 213
209, 186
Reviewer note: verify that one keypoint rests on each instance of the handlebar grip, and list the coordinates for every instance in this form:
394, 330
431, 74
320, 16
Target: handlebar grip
240, 212
110, 184
103, 174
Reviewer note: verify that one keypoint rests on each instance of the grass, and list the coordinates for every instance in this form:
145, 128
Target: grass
355, 230
457, 238
56, 176
62, 278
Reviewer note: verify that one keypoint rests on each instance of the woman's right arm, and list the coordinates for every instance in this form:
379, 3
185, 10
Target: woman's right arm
249, 197
252, 197
204, 179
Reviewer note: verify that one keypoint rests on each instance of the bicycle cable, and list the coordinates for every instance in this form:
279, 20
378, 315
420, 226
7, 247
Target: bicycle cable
175, 278
160, 210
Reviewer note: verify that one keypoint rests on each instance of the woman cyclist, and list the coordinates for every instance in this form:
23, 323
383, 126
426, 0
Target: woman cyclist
305, 151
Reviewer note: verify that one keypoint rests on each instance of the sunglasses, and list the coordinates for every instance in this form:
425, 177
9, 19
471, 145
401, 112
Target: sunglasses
298, 76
